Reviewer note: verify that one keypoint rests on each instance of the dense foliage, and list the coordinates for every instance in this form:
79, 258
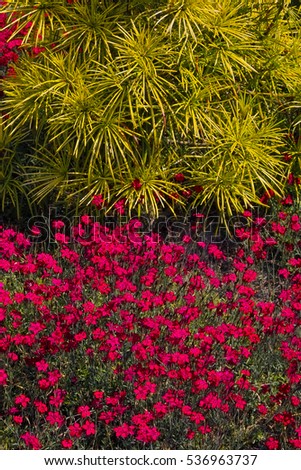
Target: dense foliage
112, 337
119, 340
150, 103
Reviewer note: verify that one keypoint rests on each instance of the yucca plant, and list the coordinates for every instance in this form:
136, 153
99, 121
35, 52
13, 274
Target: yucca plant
132, 93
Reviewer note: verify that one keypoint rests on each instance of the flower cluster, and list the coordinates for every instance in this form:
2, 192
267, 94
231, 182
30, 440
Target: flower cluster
11, 44
121, 340
8, 48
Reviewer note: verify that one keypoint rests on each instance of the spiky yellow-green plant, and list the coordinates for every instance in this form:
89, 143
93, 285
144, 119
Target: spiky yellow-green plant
140, 91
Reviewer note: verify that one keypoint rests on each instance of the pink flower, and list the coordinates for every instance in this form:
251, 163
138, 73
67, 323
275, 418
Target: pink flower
186, 239
57, 398
284, 418
260, 221
143, 391
31, 441
18, 419
295, 218
67, 443
211, 401
287, 201
124, 430
22, 400
267, 195
170, 297
41, 407
85, 219
190, 434
295, 401
262, 409
35, 230
119, 206
98, 201
89, 427
75, 430
249, 275
200, 384
284, 272
37, 50
240, 403
205, 429
81, 336
216, 252
201, 244
54, 417
54, 376
294, 262
3, 377
58, 224
197, 417
61, 238
296, 226
44, 384
272, 443
13, 356
161, 409
84, 411
143, 418
106, 416
296, 443
36, 327
247, 213
147, 434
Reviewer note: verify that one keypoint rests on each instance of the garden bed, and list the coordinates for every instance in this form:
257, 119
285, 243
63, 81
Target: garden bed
121, 340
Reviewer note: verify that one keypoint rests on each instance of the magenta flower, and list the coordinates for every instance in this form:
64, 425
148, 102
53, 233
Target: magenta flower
3, 377
31, 441
272, 443
67, 443
124, 430
136, 184
22, 400
89, 428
